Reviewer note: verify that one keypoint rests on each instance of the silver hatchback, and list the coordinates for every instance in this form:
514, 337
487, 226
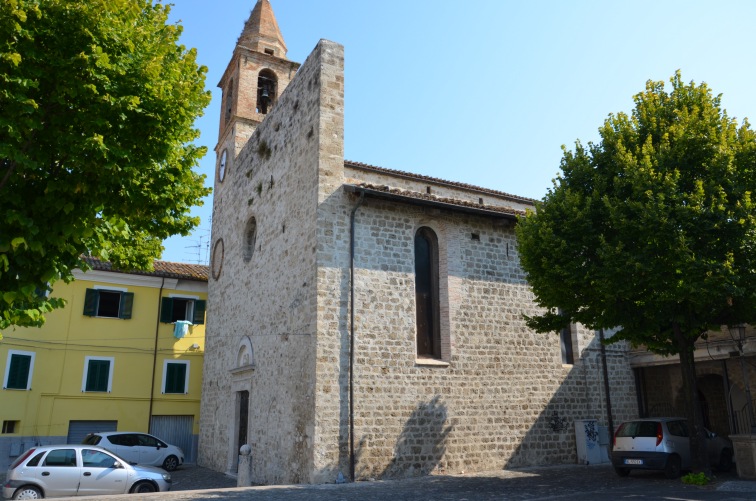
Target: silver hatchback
78, 470
663, 444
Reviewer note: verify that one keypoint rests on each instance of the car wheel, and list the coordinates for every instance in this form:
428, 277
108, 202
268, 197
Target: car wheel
170, 463
725, 460
622, 472
142, 487
672, 469
28, 492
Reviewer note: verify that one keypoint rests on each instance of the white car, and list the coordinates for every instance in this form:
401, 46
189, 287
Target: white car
663, 444
138, 448
78, 470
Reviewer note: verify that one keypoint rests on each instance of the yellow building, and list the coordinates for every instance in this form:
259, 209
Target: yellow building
125, 353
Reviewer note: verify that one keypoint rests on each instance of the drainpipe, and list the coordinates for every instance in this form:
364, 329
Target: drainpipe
351, 334
154, 357
609, 419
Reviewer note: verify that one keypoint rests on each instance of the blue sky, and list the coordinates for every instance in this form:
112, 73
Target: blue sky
483, 92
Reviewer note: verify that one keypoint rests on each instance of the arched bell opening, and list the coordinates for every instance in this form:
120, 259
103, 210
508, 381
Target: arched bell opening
267, 91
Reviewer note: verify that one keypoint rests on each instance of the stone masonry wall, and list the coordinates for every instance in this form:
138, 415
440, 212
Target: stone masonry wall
269, 300
503, 400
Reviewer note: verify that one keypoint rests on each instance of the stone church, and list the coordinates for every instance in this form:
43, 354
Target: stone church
365, 322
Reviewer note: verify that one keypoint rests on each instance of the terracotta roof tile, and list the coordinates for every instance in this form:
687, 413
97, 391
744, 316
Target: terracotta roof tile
420, 177
442, 200
165, 269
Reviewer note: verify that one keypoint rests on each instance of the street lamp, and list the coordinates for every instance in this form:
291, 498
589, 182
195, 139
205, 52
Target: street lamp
740, 330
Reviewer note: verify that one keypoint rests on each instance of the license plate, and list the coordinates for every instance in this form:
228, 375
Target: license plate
633, 461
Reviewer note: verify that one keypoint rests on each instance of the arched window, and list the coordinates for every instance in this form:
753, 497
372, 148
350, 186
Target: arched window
566, 345
267, 87
250, 238
426, 294
229, 100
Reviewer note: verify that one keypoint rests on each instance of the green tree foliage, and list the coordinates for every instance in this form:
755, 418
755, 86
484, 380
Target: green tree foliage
97, 106
653, 229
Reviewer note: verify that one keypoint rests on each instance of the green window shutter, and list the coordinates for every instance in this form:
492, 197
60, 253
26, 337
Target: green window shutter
18, 373
98, 375
127, 303
199, 312
175, 378
166, 310
90, 303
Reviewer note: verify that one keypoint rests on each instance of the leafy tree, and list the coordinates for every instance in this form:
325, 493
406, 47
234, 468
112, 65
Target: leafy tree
653, 229
97, 106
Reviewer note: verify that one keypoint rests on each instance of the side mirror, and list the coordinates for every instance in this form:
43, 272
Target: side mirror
117, 465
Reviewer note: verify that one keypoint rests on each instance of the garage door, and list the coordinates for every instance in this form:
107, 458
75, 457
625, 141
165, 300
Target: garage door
176, 430
78, 430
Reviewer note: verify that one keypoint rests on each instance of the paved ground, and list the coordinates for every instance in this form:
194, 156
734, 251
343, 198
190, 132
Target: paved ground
563, 483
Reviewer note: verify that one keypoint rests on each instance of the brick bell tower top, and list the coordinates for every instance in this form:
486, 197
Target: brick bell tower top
261, 33
253, 81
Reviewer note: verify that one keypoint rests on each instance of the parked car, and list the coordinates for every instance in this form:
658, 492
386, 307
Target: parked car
663, 444
78, 470
139, 448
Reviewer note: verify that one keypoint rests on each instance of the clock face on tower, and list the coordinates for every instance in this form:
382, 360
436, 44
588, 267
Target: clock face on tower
222, 166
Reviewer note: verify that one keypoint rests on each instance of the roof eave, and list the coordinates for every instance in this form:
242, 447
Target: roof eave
422, 202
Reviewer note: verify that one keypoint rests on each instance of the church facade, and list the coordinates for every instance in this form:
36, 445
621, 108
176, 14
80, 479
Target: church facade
365, 322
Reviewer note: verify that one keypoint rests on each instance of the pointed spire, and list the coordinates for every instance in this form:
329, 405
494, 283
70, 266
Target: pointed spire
261, 33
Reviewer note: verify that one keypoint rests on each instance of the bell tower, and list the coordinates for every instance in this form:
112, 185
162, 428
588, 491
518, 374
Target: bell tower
255, 77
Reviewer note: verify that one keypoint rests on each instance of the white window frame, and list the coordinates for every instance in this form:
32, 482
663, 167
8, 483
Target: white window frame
28, 376
189, 315
186, 375
86, 372
108, 288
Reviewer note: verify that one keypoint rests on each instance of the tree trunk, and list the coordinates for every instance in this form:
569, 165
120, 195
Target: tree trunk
699, 456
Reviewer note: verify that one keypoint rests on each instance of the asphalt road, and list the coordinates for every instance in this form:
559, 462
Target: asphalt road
563, 483
570, 482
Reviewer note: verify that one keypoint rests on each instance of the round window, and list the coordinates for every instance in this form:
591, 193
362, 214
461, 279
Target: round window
217, 264
222, 166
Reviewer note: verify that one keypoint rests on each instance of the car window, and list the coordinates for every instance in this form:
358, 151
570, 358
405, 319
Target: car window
125, 439
60, 457
92, 440
647, 428
130, 440
624, 430
638, 429
678, 428
116, 439
97, 459
35, 460
684, 425
147, 441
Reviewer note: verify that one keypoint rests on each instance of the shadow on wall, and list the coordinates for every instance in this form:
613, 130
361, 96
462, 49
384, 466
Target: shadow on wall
548, 432
421, 446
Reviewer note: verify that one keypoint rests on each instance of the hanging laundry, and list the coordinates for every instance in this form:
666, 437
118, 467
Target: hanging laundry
181, 328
